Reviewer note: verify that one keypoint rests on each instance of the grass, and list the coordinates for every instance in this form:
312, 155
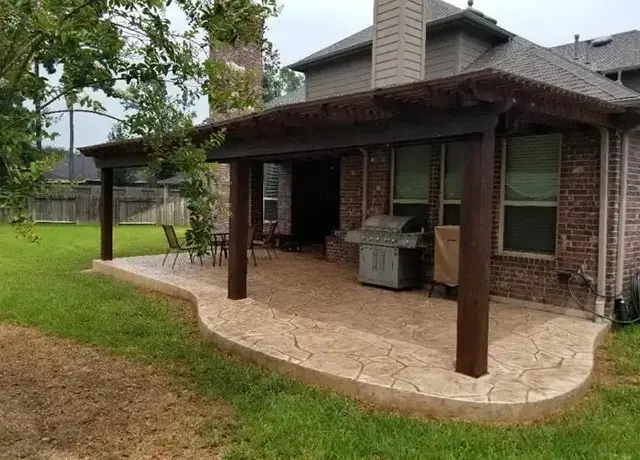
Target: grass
277, 418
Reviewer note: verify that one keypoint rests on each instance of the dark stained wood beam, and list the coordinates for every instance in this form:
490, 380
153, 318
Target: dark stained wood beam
238, 230
475, 256
106, 214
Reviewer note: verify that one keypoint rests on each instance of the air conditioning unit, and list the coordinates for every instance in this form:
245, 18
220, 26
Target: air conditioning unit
447, 255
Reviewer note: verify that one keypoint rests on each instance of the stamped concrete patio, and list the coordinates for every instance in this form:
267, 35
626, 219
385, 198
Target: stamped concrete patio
313, 320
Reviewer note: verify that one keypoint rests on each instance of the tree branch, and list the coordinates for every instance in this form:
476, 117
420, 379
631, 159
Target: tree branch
53, 112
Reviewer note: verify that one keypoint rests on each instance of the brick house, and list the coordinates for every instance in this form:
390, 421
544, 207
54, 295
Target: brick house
439, 112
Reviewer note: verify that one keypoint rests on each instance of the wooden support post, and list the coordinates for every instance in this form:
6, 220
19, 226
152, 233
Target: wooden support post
475, 258
106, 215
238, 230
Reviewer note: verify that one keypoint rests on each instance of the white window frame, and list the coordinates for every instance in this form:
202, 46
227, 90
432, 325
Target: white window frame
443, 202
504, 203
264, 209
392, 191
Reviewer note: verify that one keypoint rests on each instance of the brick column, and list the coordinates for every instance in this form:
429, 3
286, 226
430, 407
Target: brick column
284, 198
255, 195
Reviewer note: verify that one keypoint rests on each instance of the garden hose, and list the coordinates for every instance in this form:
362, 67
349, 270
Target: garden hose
627, 314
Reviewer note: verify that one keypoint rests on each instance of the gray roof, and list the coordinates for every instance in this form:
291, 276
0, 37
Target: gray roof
435, 10
84, 169
622, 53
298, 95
519, 57
526, 59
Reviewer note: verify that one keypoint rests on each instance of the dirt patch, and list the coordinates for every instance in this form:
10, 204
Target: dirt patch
60, 400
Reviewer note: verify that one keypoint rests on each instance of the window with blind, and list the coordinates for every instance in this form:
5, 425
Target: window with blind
531, 176
452, 182
411, 180
270, 192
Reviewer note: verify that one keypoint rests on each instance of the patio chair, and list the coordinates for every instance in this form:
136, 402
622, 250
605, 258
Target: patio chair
251, 236
269, 241
220, 242
174, 245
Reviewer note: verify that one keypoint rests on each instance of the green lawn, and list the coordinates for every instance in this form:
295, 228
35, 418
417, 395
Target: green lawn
41, 285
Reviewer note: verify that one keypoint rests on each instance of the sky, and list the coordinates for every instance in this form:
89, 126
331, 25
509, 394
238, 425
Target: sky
306, 26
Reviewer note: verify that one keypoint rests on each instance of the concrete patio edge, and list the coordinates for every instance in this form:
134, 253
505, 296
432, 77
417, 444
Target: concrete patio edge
385, 396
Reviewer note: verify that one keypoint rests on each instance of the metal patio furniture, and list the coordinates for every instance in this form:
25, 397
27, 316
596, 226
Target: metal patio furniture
251, 236
269, 241
219, 242
174, 245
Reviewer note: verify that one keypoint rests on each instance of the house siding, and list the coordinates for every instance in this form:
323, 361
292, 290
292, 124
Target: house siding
398, 42
471, 48
442, 55
350, 74
518, 277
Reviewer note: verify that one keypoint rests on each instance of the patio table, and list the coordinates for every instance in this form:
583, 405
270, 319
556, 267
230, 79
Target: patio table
219, 240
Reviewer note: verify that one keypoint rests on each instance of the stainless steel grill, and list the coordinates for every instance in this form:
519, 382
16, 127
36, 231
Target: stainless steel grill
390, 251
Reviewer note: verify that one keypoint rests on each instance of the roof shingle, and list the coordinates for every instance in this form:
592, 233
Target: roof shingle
622, 53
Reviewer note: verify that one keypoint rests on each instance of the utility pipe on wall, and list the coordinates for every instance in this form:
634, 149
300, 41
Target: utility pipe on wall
602, 230
365, 183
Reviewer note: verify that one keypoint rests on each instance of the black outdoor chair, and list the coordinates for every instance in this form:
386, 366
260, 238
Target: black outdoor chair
269, 241
174, 245
251, 236
219, 242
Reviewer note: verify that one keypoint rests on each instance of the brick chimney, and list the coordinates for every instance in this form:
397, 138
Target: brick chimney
249, 58
398, 42
240, 56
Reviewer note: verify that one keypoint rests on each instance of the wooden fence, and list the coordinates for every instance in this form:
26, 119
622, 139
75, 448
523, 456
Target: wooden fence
131, 205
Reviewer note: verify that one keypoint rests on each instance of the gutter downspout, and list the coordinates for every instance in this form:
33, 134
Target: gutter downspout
365, 183
622, 216
602, 230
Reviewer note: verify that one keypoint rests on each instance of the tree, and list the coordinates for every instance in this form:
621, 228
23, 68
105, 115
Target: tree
278, 81
116, 48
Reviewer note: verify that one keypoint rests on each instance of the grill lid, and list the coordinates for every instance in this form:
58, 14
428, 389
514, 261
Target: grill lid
397, 224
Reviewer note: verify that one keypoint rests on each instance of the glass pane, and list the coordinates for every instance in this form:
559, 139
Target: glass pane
420, 210
451, 214
453, 169
270, 210
532, 168
412, 172
530, 229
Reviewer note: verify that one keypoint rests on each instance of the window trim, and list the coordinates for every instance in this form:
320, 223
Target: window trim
392, 182
504, 203
264, 209
443, 171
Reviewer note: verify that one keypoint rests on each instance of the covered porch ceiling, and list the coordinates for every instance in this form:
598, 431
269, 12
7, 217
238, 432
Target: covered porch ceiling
446, 107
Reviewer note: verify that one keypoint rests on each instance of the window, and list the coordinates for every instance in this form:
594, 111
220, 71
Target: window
411, 181
530, 174
270, 192
452, 182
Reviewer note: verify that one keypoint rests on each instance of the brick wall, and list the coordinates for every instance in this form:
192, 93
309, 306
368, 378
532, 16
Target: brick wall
351, 171
526, 278
632, 230
284, 198
535, 279
256, 173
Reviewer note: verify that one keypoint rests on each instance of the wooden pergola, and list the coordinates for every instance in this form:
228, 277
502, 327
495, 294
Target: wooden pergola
472, 105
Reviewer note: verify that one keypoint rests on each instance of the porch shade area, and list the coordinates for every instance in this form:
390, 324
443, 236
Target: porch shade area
469, 106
